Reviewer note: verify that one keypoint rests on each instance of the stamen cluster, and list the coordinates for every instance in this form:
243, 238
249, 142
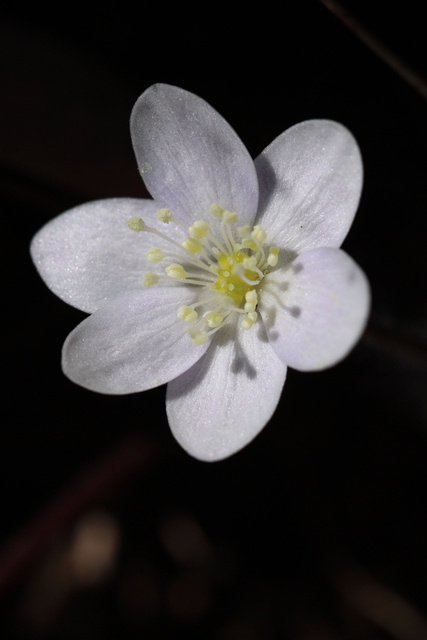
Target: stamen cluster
231, 268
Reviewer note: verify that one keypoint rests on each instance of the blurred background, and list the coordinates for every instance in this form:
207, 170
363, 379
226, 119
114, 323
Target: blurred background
318, 529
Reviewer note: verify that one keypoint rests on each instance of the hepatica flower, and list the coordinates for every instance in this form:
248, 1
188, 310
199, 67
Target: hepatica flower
229, 275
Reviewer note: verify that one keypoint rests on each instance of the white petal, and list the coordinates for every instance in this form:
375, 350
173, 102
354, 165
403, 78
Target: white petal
135, 342
189, 156
316, 309
310, 180
219, 405
89, 253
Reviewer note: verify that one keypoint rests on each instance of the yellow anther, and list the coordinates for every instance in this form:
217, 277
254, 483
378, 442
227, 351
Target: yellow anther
193, 245
176, 271
249, 243
246, 323
198, 337
149, 279
224, 261
216, 210
251, 301
136, 224
155, 254
258, 234
214, 320
251, 296
187, 314
235, 269
249, 263
164, 215
273, 256
229, 217
199, 229
245, 231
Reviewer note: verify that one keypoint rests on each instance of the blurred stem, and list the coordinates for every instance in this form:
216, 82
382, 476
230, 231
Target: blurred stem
392, 60
91, 486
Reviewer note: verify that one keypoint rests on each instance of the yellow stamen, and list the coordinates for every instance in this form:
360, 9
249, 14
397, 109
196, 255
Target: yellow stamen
231, 272
214, 320
246, 323
258, 234
164, 215
136, 224
187, 314
216, 210
273, 256
149, 279
176, 271
155, 254
193, 245
198, 337
198, 230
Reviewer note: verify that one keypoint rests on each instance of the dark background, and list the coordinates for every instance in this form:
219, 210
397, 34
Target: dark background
315, 531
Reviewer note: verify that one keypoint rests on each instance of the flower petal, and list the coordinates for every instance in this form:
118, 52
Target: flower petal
190, 157
316, 309
310, 180
219, 405
89, 253
135, 342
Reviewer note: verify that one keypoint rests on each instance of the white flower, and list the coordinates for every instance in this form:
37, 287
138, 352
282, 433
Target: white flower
234, 271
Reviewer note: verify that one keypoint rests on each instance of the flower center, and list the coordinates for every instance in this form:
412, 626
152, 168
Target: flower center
230, 281
230, 268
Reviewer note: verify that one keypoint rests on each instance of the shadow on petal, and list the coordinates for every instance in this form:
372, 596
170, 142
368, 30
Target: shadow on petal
268, 181
239, 360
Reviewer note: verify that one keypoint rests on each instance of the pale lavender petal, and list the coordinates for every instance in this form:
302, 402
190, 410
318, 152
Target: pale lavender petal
219, 405
89, 253
310, 180
190, 157
133, 343
316, 309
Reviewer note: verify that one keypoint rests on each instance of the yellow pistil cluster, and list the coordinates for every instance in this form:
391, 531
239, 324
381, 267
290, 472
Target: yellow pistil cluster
231, 269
